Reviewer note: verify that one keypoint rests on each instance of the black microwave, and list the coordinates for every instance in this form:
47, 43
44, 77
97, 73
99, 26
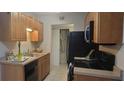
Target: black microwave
88, 33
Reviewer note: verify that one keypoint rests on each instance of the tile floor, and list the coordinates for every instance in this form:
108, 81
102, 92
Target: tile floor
57, 73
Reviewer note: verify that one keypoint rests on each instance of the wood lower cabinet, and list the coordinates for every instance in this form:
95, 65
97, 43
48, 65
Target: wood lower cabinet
12, 72
78, 77
19, 72
43, 66
12, 26
108, 27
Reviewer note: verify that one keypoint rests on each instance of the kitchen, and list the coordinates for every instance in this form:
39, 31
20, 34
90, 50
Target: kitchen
39, 40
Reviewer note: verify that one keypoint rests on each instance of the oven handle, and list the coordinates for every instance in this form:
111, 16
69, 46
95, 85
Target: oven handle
70, 72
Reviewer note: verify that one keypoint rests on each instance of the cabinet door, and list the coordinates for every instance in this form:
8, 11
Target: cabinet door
11, 72
108, 27
48, 64
23, 35
89, 17
41, 69
18, 29
29, 22
34, 35
43, 66
40, 31
46, 60
36, 25
5, 26
37, 33
103, 28
117, 27
14, 26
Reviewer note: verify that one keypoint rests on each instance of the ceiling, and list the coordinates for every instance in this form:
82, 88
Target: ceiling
38, 14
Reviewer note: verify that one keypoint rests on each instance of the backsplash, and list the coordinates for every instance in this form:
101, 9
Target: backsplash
5, 46
3, 49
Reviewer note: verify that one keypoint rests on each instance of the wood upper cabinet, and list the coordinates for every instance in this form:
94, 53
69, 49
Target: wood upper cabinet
37, 33
29, 22
108, 27
89, 17
12, 26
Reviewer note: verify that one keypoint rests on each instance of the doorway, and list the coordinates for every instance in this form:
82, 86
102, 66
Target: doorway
63, 45
59, 43
59, 47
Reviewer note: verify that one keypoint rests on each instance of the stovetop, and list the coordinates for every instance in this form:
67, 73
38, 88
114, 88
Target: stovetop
103, 61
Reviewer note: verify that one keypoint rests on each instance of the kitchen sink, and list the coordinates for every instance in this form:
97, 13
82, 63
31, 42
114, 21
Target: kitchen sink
15, 59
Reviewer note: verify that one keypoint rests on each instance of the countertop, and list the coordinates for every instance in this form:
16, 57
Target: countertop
115, 74
27, 61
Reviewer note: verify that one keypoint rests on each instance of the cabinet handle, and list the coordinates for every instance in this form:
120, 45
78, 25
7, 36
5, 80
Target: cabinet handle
85, 34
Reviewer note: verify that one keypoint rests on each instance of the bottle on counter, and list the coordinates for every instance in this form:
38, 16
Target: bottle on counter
19, 51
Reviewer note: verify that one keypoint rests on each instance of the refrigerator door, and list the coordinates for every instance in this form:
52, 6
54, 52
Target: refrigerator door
77, 45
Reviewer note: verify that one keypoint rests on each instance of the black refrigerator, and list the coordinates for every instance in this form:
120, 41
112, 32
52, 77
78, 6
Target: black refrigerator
77, 47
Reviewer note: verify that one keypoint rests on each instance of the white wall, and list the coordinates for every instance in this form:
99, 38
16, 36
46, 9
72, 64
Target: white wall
55, 53
120, 55
49, 20
120, 58
2, 52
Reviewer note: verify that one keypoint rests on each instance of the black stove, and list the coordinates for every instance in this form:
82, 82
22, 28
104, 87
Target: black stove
96, 60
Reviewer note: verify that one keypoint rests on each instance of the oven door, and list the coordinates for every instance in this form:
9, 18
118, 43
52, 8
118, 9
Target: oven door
31, 71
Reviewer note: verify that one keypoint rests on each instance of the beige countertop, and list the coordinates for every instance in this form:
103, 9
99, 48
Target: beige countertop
115, 74
28, 60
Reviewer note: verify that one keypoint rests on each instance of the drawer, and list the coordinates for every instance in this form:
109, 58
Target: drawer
89, 78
